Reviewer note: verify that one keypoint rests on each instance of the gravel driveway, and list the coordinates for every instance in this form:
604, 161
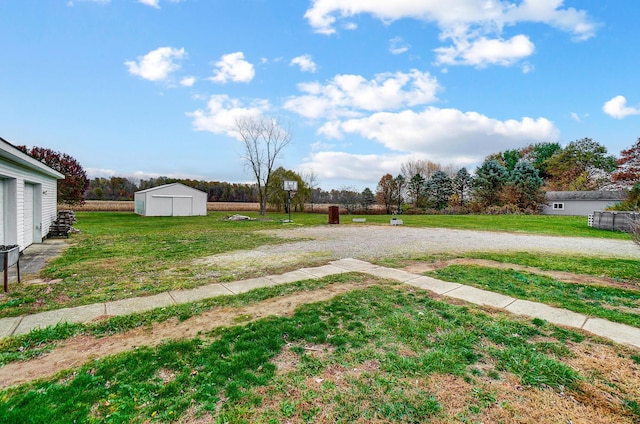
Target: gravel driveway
368, 242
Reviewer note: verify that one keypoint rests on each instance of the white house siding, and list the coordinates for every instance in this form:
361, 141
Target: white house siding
25, 173
580, 203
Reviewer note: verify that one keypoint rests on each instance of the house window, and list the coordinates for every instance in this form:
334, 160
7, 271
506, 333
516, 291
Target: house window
558, 206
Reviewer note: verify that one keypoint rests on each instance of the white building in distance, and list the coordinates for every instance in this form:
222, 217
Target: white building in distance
171, 200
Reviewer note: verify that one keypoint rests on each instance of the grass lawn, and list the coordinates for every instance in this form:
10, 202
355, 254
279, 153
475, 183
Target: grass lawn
120, 255
613, 304
381, 354
569, 226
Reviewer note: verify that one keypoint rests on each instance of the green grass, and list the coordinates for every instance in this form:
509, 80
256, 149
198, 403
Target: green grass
228, 375
569, 226
42, 340
627, 270
120, 255
610, 303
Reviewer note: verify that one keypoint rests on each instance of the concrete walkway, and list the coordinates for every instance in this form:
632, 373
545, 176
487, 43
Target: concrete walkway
619, 333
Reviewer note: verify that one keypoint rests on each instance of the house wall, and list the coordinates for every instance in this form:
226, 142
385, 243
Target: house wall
577, 207
17, 179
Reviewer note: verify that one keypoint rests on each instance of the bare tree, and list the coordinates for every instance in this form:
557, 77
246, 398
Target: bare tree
310, 178
263, 139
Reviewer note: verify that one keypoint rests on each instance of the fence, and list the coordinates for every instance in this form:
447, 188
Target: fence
613, 220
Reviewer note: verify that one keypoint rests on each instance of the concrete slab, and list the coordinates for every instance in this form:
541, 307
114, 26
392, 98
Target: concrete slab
290, 277
481, 297
392, 274
356, 265
8, 325
199, 293
548, 313
434, 285
35, 257
138, 304
244, 286
619, 333
72, 315
323, 271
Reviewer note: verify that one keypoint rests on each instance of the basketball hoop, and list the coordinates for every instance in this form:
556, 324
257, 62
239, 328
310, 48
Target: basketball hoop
290, 187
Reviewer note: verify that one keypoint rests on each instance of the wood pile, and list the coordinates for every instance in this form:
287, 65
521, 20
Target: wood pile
62, 225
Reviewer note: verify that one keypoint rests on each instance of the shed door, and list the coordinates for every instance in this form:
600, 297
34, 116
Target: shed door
28, 214
182, 206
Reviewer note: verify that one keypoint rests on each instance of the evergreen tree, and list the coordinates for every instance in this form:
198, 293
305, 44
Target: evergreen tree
490, 179
367, 198
439, 189
462, 184
415, 189
525, 185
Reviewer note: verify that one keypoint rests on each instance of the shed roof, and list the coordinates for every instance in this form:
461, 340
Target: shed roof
615, 195
11, 153
165, 186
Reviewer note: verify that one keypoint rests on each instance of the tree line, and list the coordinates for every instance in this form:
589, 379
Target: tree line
509, 181
120, 188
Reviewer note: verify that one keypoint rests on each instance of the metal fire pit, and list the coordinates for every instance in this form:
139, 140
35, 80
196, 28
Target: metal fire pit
9, 256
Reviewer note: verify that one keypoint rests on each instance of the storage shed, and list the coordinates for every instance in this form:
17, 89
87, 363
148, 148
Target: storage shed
171, 200
580, 202
28, 197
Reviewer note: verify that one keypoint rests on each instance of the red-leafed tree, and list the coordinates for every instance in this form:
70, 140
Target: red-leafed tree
71, 189
628, 172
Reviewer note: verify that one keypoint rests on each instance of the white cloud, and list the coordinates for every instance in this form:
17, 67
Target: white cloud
398, 46
444, 134
305, 62
475, 27
348, 95
233, 67
152, 3
527, 68
577, 117
188, 81
363, 170
219, 117
617, 108
71, 3
483, 52
135, 175
342, 166
158, 64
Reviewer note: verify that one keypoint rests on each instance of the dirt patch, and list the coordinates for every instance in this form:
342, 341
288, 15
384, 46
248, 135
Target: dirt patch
78, 350
567, 277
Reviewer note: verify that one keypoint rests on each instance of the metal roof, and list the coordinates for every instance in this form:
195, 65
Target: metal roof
167, 186
617, 195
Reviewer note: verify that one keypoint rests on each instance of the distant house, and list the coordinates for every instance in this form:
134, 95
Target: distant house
580, 202
28, 197
171, 200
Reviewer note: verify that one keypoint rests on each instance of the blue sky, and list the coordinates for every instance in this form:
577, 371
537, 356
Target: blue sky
145, 88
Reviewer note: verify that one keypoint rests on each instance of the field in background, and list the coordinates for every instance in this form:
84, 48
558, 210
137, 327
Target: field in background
127, 206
